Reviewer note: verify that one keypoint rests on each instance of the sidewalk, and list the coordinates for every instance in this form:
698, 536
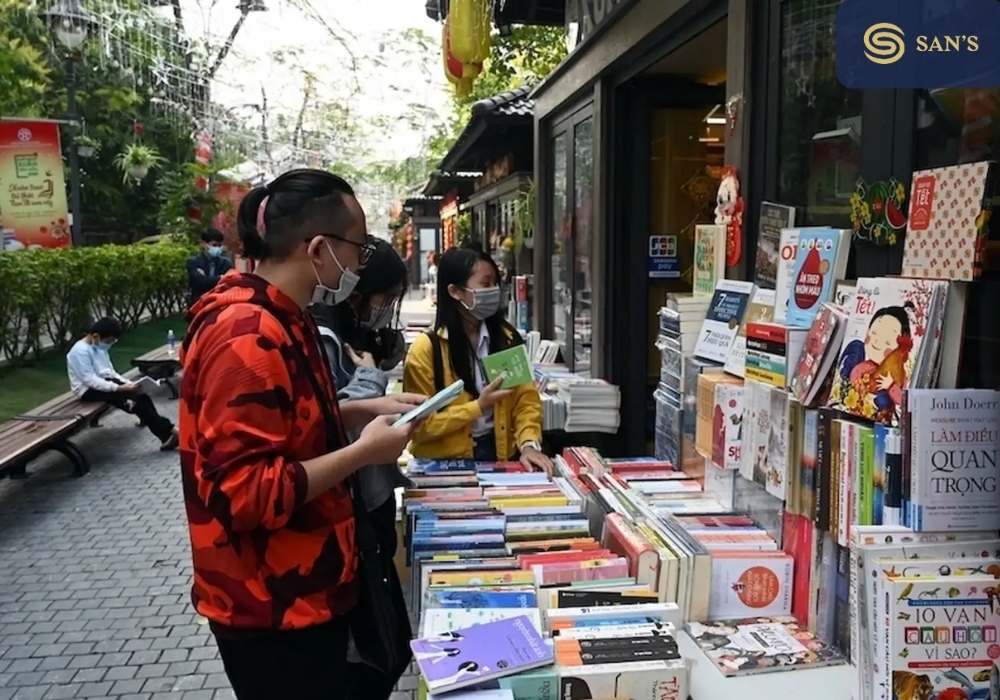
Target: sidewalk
95, 574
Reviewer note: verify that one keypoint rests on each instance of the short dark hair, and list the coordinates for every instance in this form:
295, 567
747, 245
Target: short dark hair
213, 235
298, 203
106, 327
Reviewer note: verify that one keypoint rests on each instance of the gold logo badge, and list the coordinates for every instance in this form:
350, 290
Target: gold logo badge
884, 43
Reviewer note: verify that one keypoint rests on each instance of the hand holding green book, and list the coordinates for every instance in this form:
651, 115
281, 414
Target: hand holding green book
511, 364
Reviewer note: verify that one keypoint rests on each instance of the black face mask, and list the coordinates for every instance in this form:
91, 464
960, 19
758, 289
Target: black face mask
392, 348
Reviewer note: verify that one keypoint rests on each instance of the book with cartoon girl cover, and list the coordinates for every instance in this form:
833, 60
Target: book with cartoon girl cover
469, 656
891, 322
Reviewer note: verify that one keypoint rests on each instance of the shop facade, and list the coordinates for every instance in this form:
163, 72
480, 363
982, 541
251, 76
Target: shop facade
632, 132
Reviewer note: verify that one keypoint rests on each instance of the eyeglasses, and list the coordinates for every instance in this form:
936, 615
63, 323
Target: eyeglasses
367, 249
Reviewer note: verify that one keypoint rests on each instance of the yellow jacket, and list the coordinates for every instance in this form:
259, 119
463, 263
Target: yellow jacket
447, 434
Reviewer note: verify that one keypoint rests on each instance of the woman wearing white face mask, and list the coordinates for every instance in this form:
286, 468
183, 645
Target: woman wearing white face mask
362, 343
264, 448
485, 423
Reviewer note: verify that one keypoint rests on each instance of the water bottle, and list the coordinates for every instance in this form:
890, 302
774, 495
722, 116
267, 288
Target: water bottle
172, 343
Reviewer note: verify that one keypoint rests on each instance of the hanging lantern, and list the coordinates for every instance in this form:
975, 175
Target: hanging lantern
470, 30
452, 67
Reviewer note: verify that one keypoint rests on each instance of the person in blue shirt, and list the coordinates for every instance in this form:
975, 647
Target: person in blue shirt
92, 377
208, 267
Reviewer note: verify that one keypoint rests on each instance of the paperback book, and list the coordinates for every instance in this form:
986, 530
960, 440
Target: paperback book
821, 259
773, 218
722, 322
460, 658
750, 583
761, 310
762, 645
949, 214
887, 346
954, 459
788, 249
709, 258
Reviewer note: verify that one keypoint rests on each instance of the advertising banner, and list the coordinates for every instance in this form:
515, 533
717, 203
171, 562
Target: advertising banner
33, 212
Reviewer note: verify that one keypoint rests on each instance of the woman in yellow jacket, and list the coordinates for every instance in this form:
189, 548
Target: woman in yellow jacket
485, 423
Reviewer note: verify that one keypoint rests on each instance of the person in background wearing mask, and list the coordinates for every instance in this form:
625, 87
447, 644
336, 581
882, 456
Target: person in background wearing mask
485, 423
92, 377
207, 267
362, 343
264, 448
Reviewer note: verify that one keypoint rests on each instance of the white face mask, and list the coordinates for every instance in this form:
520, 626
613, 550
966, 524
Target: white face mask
485, 303
348, 281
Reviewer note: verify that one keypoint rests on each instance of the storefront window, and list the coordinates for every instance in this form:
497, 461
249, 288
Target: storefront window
561, 299
819, 159
957, 126
583, 194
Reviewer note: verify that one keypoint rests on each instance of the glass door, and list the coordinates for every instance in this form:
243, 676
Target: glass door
571, 223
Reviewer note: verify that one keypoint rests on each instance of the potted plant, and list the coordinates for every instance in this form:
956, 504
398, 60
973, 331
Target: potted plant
136, 160
86, 146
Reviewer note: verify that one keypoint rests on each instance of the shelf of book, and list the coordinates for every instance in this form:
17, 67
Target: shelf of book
707, 683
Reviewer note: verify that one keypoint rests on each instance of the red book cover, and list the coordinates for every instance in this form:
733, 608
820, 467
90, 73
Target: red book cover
528, 560
798, 533
821, 349
521, 288
643, 559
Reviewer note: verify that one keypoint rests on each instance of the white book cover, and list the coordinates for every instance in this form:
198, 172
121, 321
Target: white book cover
944, 636
955, 459
723, 319
788, 248
776, 476
756, 422
870, 545
761, 310
750, 586
638, 680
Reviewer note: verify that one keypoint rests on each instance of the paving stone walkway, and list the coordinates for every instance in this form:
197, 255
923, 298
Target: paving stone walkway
95, 577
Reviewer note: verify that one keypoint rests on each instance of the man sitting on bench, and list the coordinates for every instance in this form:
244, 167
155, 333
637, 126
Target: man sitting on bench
92, 377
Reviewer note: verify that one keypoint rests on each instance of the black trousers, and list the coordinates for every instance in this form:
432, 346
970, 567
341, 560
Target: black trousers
138, 404
485, 448
365, 682
305, 664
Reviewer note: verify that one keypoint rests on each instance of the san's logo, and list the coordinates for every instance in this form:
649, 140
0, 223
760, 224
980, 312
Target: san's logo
884, 43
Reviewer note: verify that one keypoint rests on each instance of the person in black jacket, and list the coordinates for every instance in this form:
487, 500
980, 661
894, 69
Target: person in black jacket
206, 268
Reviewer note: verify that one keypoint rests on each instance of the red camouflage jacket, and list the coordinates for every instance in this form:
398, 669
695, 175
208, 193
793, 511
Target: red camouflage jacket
264, 559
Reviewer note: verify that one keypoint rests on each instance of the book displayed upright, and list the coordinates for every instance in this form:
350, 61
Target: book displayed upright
954, 459
750, 583
821, 259
889, 346
709, 258
722, 322
761, 310
773, 218
788, 249
949, 213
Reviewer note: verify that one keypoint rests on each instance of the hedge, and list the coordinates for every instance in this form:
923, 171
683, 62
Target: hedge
50, 295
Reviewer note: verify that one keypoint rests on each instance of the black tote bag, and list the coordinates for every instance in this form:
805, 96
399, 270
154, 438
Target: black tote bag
380, 624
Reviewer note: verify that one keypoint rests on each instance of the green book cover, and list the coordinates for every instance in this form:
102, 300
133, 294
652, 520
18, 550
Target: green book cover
866, 449
512, 364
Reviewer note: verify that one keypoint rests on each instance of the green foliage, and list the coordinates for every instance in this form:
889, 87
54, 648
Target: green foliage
137, 157
463, 229
179, 195
53, 293
24, 74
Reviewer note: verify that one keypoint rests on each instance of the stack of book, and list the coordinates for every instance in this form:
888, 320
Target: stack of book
611, 648
592, 405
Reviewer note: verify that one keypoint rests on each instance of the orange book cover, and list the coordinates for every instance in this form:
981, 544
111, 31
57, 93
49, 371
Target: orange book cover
529, 560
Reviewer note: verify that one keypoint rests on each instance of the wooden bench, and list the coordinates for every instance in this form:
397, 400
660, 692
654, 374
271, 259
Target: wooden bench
47, 427
160, 364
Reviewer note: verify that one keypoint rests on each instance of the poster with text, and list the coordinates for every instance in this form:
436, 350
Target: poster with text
33, 212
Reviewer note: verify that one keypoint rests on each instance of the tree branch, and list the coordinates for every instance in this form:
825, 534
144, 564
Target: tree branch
224, 51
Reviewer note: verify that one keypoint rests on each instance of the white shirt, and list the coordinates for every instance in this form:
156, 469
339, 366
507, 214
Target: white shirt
484, 424
89, 367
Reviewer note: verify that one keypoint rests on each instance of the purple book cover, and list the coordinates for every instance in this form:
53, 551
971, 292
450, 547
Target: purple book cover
479, 653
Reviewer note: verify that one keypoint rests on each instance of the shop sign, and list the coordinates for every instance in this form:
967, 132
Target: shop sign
663, 261
918, 44
585, 17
